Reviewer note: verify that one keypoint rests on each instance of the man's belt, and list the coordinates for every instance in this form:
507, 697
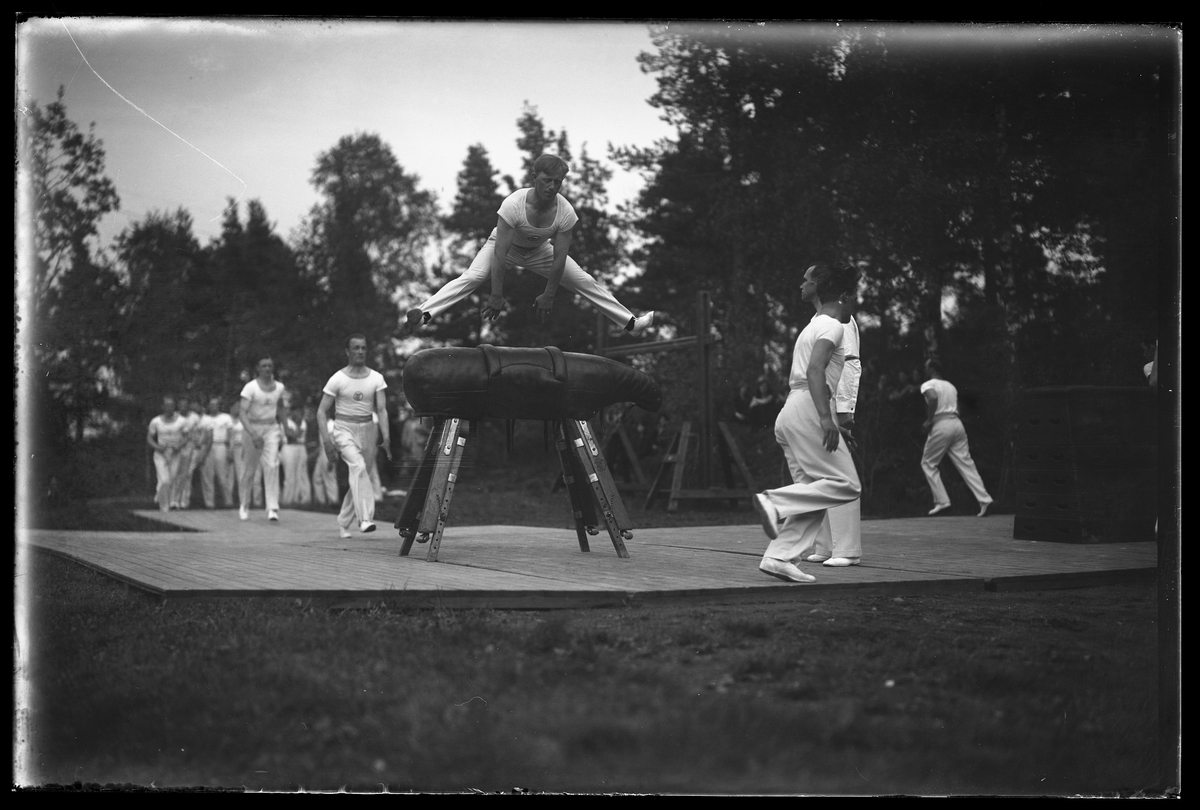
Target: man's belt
349, 418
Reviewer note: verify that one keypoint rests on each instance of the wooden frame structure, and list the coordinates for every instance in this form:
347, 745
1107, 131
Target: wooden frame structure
593, 493
706, 427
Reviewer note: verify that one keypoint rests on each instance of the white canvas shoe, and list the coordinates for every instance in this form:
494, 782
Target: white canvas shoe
942, 507
366, 526
273, 515
784, 570
768, 515
643, 322
841, 562
343, 533
243, 513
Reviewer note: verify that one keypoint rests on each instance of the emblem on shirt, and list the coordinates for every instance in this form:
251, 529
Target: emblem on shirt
358, 396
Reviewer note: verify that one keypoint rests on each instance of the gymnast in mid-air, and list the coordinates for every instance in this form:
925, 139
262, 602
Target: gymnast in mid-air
533, 230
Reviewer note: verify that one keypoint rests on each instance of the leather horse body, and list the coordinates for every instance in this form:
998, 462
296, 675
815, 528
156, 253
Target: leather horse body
492, 382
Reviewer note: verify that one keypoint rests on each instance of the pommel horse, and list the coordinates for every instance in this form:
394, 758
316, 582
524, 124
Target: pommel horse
460, 385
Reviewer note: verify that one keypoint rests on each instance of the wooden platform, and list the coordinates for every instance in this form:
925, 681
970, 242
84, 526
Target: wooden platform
521, 567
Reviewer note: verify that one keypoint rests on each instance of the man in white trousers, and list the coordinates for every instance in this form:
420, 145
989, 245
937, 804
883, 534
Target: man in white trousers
794, 516
261, 438
947, 435
324, 474
216, 472
165, 437
533, 230
181, 494
845, 521
236, 443
357, 396
293, 459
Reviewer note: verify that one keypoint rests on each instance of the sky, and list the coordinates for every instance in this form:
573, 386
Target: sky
195, 111
192, 112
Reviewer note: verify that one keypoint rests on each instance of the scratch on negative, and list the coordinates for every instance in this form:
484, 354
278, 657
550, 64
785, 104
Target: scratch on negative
477, 697
161, 124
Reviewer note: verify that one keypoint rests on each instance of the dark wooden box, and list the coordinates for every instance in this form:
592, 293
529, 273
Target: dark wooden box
1087, 466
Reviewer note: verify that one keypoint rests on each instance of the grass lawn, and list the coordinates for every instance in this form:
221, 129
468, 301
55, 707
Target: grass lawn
1025, 693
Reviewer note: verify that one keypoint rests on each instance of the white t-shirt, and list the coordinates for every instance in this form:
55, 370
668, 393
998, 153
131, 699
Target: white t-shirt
168, 434
513, 211
262, 404
847, 390
192, 428
947, 396
205, 428
294, 434
222, 424
821, 327
354, 398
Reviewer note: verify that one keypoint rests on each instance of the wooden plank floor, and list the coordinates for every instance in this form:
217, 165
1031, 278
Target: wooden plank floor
521, 567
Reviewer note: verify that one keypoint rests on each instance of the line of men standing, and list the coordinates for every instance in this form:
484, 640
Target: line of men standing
186, 442
283, 462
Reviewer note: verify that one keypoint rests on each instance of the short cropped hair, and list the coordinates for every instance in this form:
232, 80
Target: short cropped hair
551, 164
835, 280
359, 335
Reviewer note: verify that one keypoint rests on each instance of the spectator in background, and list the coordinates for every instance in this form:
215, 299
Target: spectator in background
312, 438
395, 481
947, 435
416, 436
203, 444
293, 460
181, 497
373, 455
761, 406
165, 437
217, 470
324, 473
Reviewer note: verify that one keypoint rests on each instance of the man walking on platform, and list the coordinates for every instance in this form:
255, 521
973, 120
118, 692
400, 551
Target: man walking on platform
181, 495
356, 394
794, 516
165, 437
261, 438
947, 434
216, 472
845, 521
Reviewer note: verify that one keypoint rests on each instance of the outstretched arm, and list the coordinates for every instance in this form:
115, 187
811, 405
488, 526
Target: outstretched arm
494, 304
